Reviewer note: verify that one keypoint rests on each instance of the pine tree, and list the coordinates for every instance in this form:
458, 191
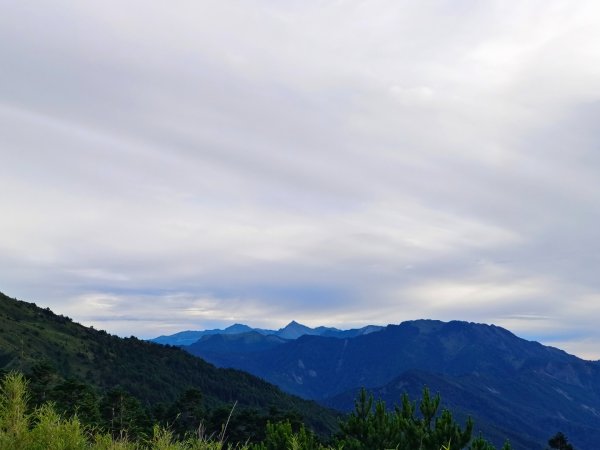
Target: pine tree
559, 441
376, 428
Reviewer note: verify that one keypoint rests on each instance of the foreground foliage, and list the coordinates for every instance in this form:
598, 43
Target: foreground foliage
367, 428
371, 427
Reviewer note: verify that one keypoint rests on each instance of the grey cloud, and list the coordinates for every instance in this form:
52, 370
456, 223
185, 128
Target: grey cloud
346, 162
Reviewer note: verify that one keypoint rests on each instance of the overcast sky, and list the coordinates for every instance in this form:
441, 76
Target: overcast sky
190, 164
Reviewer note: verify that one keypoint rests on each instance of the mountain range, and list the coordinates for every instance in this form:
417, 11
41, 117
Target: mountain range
293, 330
514, 388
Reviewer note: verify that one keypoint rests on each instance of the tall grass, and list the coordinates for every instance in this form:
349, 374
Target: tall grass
45, 429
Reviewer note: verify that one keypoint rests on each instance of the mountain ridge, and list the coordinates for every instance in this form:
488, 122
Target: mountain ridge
485, 370
292, 330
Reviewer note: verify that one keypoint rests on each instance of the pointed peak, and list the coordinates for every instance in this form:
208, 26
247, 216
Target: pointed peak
294, 330
293, 325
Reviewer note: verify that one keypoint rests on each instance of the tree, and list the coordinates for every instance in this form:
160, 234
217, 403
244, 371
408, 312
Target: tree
186, 413
42, 378
72, 397
404, 429
281, 436
123, 415
14, 420
560, 442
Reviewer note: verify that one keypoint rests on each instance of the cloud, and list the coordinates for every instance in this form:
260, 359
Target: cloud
180, 166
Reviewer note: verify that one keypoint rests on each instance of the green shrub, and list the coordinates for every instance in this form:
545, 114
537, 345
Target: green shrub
52, 432
14, 421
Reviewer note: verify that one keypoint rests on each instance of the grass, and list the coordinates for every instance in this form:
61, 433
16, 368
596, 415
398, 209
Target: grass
45, 429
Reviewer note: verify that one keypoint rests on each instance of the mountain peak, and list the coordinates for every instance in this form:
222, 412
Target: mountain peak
294, 330
237, 328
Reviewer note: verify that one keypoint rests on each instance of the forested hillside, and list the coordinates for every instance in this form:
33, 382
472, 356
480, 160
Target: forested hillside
143, 381
369, 427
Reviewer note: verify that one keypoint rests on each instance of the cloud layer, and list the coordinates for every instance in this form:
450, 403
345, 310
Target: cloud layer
186, 165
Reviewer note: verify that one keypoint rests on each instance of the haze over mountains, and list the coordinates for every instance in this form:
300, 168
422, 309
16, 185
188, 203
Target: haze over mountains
515, 388
292, 330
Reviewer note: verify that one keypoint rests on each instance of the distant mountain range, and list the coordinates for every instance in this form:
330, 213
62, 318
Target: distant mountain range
292, 330
514, 388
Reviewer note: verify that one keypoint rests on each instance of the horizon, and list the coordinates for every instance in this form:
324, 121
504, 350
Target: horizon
292, 321
340, 163
225, 326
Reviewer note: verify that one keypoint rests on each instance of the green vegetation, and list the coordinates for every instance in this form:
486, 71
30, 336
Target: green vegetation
65, 386
128, 383
371, 427
365, 429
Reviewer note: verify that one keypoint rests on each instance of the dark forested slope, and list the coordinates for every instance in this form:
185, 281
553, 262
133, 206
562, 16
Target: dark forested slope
30, 336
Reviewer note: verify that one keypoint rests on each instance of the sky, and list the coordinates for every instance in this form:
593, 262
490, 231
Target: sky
190, 164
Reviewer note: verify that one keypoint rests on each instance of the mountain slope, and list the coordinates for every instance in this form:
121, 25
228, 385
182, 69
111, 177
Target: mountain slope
511, 386
153, 373
319, 367
189, 336
519, 412
242, 343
